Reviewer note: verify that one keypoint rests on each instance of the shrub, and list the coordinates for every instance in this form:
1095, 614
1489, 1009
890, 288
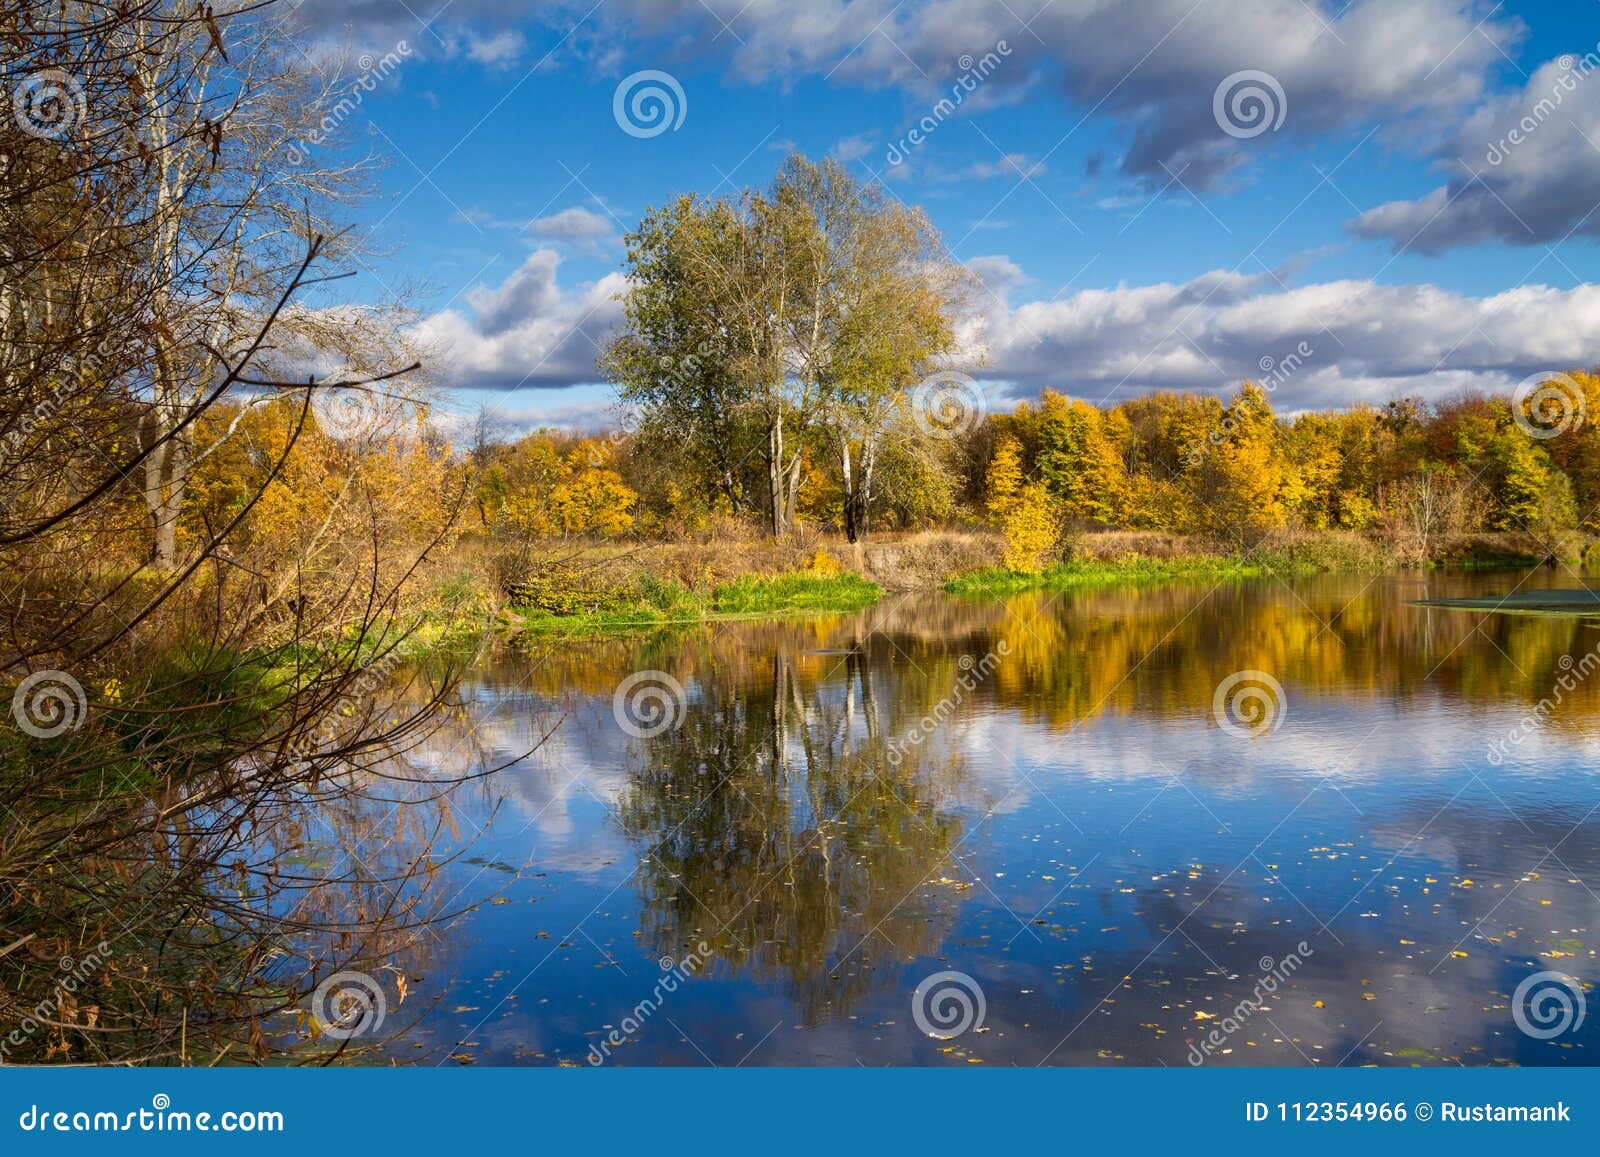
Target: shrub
1032, 528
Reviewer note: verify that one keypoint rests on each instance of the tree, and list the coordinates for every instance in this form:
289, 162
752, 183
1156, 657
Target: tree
1003, 479
705, 341
877, 306
208, 717
1032, 528
233, 192
1078, 461
754, 322
674, 361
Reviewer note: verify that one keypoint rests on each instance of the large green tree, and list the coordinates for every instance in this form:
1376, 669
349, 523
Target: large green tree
758, 323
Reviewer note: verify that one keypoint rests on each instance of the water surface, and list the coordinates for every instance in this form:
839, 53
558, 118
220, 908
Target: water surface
1037, 793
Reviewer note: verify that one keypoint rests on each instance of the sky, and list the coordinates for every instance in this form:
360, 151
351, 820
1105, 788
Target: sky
1349, 201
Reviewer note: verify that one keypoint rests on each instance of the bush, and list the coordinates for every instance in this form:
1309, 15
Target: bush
1032, 530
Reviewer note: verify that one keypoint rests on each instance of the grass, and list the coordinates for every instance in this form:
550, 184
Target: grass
1137, 563
778, 594
654, 604
993, 582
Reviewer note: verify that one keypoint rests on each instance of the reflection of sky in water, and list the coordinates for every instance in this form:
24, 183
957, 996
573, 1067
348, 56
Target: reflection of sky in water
1080, 837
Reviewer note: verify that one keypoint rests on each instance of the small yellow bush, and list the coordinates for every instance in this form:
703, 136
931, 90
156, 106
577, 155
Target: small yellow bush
824, 564
1031, 529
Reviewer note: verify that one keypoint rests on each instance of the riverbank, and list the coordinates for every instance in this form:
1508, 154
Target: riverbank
608, 587
547, 607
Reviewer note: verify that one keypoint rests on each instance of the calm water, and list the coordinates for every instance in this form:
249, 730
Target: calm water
1036, 793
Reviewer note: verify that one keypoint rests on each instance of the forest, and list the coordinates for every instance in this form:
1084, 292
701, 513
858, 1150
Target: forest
250, 541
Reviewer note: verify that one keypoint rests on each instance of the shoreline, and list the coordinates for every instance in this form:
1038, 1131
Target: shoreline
640, 592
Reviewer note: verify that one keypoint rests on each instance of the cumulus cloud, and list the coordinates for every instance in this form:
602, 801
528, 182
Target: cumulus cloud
582, 228
1329, 344
1154, 66
526, 332
1525, 167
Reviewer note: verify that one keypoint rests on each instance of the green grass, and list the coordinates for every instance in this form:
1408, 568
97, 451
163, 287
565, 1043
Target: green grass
992, 581
1308, 555
754, 594
653, 604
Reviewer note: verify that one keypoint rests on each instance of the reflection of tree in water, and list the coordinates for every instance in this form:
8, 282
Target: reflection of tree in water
777, 830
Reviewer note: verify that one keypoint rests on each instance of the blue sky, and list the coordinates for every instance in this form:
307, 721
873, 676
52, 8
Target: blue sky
1129, 238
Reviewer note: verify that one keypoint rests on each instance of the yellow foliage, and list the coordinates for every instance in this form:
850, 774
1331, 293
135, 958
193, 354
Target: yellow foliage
1031, 529
1004, 477
574, 493
824, 564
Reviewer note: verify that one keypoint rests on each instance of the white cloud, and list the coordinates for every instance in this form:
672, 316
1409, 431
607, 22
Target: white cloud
582, 228
854, 147
527, 331
1154, 66
1010, 165
1525, 170
500, 50
1367, 342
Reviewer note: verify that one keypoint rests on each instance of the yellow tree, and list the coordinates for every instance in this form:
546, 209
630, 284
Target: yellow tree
1079, 462
1003, 479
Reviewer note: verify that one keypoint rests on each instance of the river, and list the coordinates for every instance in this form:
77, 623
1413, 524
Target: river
1272, 822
